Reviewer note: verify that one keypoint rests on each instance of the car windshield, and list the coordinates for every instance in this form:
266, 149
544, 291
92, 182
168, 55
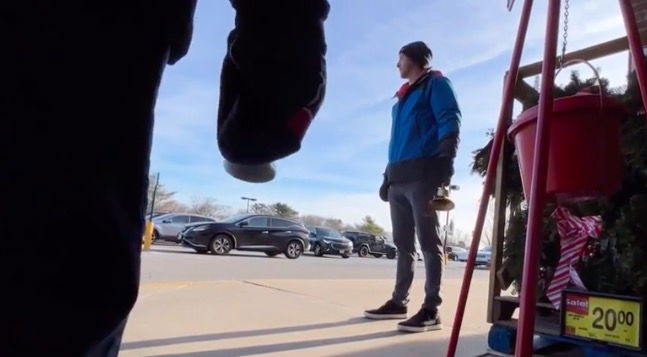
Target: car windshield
325, 232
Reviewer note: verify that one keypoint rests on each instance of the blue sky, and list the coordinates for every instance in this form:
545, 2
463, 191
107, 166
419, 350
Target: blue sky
338, 171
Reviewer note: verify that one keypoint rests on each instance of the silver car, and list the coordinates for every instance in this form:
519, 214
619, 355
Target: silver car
168, 226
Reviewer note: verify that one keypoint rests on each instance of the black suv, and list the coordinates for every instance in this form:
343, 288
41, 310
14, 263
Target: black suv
328, 241
366, 243
268, 234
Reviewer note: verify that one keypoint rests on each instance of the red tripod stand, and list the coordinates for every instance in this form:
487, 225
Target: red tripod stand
537, 197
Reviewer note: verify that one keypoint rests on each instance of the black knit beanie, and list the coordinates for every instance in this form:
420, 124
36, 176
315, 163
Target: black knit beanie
418, 52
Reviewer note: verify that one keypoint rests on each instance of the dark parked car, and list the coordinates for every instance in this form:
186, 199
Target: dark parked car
268, 234
366, 243
329, 241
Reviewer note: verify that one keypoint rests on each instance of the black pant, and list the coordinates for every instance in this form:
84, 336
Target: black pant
78, 82
410, 215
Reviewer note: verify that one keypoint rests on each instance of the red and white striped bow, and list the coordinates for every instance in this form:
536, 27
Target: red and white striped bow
574, 233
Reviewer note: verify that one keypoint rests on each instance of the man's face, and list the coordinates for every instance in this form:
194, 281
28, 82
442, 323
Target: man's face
405, 65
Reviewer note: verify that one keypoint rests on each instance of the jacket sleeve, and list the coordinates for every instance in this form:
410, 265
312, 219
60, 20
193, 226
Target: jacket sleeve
179, 27
445, 107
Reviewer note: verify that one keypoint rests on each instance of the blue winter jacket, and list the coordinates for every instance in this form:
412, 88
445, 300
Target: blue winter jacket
422, 118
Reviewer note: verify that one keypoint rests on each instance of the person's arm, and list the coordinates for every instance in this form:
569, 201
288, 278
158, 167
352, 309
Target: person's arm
448, 118
179, 27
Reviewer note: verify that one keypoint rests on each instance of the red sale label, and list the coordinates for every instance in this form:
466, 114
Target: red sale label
577, 304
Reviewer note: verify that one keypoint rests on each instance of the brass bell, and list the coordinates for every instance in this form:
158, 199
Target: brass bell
441, 201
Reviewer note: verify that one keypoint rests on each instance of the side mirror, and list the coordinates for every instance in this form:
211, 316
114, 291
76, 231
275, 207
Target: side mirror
313, 235
167, 221
243, 224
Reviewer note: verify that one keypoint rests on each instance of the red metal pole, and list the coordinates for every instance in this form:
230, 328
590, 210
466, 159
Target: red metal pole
526, 326
504, 117
635, 47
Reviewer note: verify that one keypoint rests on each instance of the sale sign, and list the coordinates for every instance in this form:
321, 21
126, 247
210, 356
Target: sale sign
605, 318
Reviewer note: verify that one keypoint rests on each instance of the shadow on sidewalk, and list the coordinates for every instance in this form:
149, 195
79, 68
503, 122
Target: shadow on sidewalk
238, 334
470, 345
282, 347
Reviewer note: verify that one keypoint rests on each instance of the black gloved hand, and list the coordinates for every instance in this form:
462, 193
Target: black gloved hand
384, 189
446, 153
273, 79
445, 170
448, 146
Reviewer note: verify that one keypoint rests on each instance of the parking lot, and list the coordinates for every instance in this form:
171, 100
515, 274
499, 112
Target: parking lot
247, 304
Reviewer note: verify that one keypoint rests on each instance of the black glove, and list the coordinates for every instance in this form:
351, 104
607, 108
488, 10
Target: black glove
384, 189
273, 79
448, 146
445, 170
445, 161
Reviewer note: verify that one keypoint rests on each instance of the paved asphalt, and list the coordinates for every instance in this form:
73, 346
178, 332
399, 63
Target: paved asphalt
170, 262
247, 304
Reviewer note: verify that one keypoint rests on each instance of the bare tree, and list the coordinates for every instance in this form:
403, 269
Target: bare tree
370, 226
313, 220
164, 201
334, 223
488, 229
170, 206
283, 210
260, 208
207, 206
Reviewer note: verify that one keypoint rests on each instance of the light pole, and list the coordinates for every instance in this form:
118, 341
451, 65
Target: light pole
149, 228
157, 182
248, 199
449, 190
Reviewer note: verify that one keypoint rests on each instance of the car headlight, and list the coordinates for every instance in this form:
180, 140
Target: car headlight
326, 241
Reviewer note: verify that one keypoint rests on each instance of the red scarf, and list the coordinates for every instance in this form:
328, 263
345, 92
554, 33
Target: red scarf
405, 87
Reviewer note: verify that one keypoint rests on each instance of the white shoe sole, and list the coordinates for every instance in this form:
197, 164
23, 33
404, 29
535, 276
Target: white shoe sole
368, 315
419, 329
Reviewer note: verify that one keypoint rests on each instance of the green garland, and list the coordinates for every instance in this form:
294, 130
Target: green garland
617, 260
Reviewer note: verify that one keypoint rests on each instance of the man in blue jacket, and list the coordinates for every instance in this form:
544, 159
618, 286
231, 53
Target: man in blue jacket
424, 139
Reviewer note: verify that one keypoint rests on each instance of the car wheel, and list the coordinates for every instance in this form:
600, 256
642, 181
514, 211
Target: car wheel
221, 245
294, 249
318, 251
156, 236
345, 256
363, 252
377, 255
271, 254
391, 254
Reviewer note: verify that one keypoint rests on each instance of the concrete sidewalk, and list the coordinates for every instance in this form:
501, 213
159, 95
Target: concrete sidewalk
290, 318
